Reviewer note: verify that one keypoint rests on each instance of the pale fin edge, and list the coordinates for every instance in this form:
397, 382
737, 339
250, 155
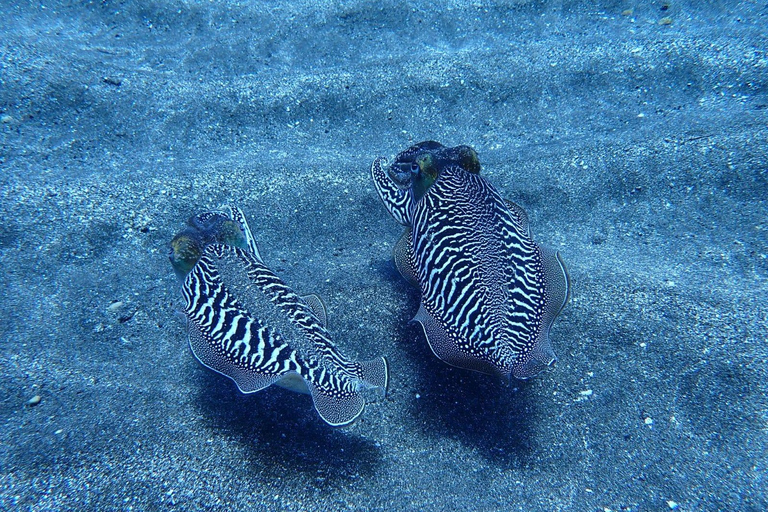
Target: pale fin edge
402, 256
557, 284
446, 350
335, 411
237, 215
247, 380
556, 292
375, 373
317, 306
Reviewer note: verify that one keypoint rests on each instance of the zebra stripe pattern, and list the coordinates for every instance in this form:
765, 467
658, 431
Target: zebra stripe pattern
242, 338
228, 338
397, 201
480, 273
489, 293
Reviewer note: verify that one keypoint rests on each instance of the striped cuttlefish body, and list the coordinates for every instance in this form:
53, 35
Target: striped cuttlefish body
489, 293
249, 325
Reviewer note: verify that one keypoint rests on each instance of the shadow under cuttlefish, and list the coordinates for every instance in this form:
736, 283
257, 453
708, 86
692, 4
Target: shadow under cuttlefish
282, 428
486, 412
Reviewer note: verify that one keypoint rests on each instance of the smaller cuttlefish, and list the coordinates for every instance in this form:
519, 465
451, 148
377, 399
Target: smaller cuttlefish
247, 324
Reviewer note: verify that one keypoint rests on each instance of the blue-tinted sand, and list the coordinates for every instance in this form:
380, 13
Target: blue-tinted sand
635, 134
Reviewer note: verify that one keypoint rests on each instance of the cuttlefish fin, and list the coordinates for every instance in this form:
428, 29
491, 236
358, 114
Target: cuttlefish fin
444, 348
237, 215
520, 216
317, 306
556, 291
402, 254
375, 373
247, 381
336, 409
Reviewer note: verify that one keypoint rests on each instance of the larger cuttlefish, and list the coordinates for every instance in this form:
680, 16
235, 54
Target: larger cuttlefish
489, 293
247, 324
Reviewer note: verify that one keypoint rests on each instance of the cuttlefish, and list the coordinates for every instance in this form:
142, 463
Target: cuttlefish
489, 292
247, 324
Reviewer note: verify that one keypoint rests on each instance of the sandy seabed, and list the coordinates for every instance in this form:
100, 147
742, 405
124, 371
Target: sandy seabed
634, 135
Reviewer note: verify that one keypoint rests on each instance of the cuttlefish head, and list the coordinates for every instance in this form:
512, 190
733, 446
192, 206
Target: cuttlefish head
419, 166
204, 229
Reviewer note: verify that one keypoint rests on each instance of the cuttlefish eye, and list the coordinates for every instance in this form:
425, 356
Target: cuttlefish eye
185, 251
427, 167
403, 173
425, 175
415, 168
